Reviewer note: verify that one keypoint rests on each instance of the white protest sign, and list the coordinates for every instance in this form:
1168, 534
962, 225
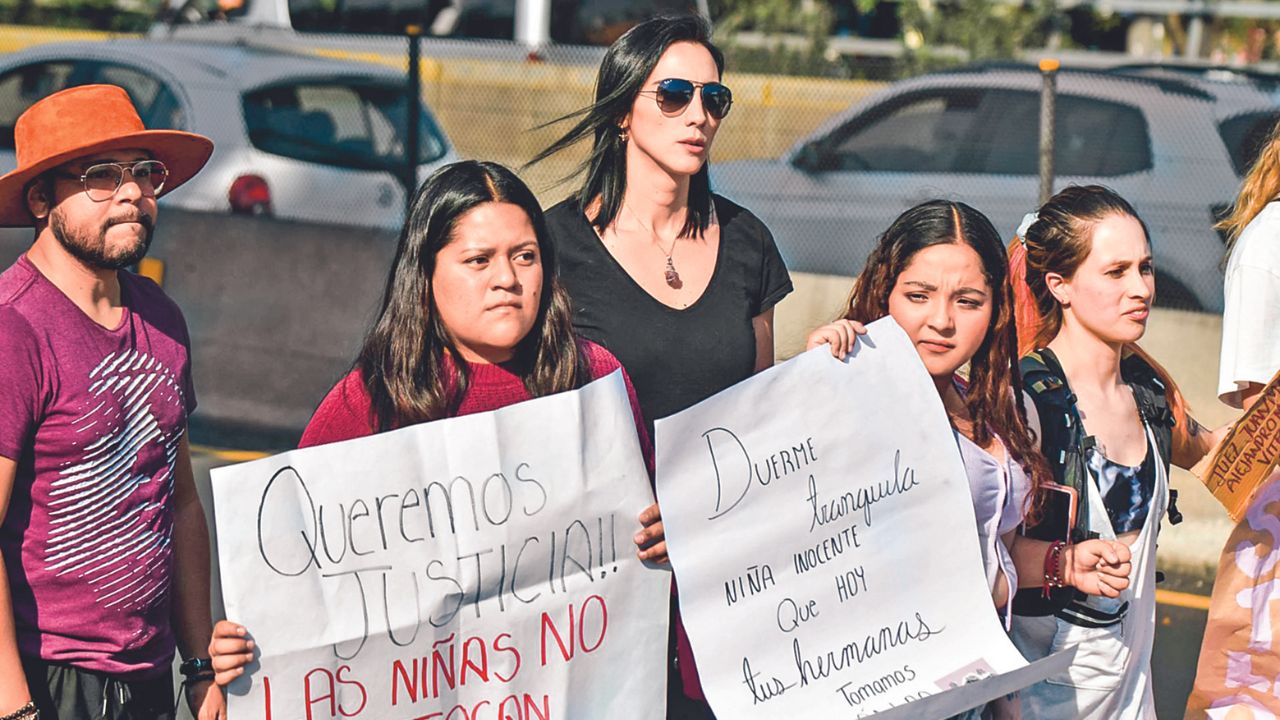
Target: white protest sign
475, 568
820, 524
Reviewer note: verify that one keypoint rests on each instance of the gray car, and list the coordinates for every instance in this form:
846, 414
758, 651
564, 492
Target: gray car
295, 136
1175, 147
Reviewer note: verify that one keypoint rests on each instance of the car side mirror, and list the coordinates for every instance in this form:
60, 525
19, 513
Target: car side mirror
812, 158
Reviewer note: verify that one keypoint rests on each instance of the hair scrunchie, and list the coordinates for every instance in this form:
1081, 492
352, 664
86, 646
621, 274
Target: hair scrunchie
1027, 221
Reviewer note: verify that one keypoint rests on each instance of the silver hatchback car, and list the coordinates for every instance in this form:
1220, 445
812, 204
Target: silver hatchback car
295, 136
1175, 147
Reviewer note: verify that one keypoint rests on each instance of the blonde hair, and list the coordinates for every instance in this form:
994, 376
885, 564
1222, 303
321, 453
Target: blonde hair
1259, 188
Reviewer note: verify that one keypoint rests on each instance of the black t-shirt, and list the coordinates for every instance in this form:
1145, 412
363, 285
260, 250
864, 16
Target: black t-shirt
675, 357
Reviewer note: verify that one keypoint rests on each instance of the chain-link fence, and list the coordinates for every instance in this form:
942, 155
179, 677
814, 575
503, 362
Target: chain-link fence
313, 127
311, 131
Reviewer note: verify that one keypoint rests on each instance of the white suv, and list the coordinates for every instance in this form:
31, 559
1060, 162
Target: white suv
1174, 147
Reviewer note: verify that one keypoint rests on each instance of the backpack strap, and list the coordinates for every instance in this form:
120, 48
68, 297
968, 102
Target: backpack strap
1063, 442
1152, 398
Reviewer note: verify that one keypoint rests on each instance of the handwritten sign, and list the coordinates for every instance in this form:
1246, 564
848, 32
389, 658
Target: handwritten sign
473, 568
820, 524
1248, 454
1238, 673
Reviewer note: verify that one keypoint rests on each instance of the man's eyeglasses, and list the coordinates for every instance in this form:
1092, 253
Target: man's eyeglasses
103, 180
675, 94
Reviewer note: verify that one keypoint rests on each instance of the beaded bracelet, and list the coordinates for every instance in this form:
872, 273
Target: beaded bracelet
26, 712
1053, 568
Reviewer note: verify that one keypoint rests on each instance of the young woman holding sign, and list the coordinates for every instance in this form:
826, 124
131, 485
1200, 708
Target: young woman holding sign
1110, 421
679, 283
941, 272
1251, 313
1250, 358
473, 320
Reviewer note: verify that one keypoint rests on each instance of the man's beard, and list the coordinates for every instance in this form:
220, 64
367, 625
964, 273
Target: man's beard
94, 254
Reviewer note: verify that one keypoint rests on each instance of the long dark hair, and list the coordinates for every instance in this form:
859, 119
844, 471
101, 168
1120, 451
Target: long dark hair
1059, 241
409, 363
627, 64
994, 394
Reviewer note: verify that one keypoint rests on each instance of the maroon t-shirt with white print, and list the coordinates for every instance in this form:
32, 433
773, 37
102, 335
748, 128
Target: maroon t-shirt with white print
93, 418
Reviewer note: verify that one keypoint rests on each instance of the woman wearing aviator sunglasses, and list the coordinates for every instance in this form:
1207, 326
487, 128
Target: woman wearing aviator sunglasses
677, 283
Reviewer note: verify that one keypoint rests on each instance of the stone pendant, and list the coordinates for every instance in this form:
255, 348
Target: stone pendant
673, 277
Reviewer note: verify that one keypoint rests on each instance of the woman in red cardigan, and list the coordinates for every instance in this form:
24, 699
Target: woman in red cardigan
473, 320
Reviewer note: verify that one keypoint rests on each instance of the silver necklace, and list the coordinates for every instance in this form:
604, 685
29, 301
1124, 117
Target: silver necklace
672, 277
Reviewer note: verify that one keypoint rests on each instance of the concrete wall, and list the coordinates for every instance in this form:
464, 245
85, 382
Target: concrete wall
276, 310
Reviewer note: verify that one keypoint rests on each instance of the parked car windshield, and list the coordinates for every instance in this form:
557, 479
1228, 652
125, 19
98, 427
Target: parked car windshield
344, 125
992, 131
1245, 135
156, 102
22, 87
922, 133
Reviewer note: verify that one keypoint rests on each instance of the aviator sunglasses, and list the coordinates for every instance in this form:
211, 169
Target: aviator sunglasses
103, 180
675, 94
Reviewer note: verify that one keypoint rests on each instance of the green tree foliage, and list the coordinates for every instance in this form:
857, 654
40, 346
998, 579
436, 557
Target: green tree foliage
809, 18
796, 32
933, 30
935, 33
108, 15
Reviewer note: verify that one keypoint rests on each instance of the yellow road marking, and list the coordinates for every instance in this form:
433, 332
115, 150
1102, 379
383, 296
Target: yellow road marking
152, 268
227, 454
1183, 600
18, 37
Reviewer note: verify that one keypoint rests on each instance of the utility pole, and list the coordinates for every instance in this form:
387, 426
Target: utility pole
413, 142
533, 23
1048, 101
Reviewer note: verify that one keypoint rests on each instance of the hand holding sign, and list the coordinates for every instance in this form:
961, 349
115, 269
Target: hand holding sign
651, 541
1248, 454
230, 651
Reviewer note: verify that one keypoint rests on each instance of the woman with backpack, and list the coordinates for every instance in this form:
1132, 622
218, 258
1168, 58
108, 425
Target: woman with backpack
941, 272
1110, 420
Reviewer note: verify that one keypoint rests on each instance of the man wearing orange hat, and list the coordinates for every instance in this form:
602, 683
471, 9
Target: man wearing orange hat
103, 541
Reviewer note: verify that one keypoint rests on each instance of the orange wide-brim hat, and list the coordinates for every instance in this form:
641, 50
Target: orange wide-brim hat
90, 120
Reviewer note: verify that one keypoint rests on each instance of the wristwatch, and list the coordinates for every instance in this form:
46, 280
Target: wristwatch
196, 667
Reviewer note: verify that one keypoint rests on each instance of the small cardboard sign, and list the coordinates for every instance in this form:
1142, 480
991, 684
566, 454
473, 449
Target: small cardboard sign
1248, 454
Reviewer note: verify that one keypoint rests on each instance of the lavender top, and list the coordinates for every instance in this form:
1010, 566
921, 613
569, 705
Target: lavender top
999, 489
93, 418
